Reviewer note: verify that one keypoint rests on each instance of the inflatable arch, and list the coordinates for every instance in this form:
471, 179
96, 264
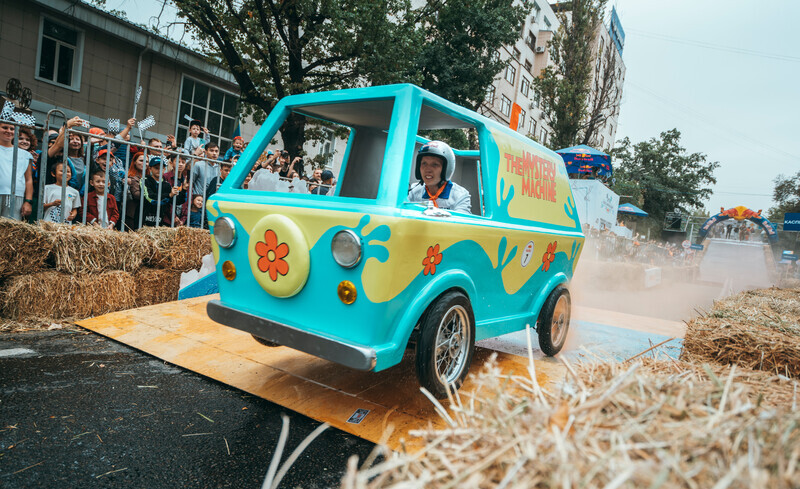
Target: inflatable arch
739, 213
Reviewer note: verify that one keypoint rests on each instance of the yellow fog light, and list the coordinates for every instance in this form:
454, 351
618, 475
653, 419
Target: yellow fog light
347, 292
229, 270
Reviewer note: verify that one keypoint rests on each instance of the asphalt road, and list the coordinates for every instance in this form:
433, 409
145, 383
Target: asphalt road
78, 410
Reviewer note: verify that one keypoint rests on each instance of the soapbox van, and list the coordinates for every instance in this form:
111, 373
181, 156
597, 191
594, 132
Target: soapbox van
359, 275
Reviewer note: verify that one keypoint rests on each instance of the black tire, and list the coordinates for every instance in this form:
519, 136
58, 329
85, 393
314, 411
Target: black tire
553, 322
264, 342
451, 315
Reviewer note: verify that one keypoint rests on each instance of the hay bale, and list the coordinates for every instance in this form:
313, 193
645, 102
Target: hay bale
24, 248
55, 296
648, 424
757, 329
155, 286
92, 249
181, 248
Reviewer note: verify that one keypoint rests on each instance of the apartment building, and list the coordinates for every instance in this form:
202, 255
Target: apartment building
531, 53
528, 57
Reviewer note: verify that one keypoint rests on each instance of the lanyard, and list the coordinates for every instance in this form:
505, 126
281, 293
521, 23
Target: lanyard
436, 195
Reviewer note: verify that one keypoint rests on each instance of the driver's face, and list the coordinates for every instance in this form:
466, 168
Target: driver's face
430, 168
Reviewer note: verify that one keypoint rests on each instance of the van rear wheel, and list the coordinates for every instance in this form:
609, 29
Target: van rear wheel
553, 322
446, 343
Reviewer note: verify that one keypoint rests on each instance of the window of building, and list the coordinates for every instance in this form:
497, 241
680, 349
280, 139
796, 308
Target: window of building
59, 55
544, 136
532, 128
490, 94
217, 110
505, 105
536, 9
511, 73
531, 41
524, 86
547, 24
517, 54
521, 124
528, 66
537, 98
495, 56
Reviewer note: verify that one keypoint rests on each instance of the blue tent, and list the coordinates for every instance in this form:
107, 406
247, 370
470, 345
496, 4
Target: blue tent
582, 159
631, 209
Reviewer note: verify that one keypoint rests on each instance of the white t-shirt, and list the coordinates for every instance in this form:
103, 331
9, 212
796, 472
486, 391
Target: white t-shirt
23, 159
53, 192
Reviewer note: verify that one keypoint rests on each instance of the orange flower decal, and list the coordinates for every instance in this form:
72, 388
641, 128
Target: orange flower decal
549, 256
434, 258
272, 255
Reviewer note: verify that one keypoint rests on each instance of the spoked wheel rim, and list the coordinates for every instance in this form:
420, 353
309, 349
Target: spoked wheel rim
560, 322
452, 344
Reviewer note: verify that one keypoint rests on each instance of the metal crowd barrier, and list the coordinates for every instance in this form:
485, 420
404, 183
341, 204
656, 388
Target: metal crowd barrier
89, 150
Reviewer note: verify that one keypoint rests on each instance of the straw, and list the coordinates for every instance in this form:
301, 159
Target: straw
637, 425
25, 248
757, 329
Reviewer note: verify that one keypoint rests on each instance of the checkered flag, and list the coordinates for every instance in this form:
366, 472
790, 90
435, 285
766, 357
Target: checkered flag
8, 111
24, 119
147, 123
113, 126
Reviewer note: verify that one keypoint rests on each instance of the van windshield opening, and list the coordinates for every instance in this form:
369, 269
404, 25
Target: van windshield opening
342, 151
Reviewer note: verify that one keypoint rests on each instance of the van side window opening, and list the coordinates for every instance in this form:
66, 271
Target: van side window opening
435, 125
344, 151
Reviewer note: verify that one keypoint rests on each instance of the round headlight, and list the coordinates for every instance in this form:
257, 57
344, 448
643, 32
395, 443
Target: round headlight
225, 232
346, 248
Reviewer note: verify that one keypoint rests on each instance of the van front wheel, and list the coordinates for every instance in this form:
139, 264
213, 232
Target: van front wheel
446, 342
553, 322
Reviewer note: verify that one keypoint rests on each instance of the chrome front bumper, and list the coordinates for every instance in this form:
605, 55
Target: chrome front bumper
357, 357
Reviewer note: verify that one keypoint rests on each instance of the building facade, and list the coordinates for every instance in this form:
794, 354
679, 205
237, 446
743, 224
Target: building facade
88, 63
531, 54
527, 58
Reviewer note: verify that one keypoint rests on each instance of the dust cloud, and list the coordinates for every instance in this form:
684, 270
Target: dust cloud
686, 288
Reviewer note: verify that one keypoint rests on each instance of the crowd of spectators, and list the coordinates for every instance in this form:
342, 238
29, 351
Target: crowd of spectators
604, 245
152, 183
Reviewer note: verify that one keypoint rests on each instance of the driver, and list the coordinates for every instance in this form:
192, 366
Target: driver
434, 168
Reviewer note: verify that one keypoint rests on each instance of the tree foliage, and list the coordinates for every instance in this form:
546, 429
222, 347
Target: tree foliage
565, 85
661, 176
279, 48
786, 195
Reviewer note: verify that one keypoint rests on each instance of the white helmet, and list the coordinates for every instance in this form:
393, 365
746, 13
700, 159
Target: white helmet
443, 151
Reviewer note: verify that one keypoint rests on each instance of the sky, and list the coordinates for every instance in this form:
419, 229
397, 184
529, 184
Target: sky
724, 73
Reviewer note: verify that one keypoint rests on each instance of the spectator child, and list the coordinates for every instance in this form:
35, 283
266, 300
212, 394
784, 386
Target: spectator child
203, 172
52, 195
236, 149
224, 171
101, 206
135, 175
196, 218
116, 173
157, 194
194, 141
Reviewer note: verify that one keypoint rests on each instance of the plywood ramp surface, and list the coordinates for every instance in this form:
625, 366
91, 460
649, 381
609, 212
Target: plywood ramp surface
181, 333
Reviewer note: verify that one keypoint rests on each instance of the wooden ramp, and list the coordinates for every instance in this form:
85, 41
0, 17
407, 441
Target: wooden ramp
181, 333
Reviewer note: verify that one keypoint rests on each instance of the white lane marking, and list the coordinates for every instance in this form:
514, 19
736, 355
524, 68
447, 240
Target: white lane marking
15, 352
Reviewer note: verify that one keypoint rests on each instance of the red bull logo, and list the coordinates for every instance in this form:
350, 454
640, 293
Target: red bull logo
740, 213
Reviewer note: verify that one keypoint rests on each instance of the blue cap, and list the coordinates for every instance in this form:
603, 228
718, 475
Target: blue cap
154, 161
